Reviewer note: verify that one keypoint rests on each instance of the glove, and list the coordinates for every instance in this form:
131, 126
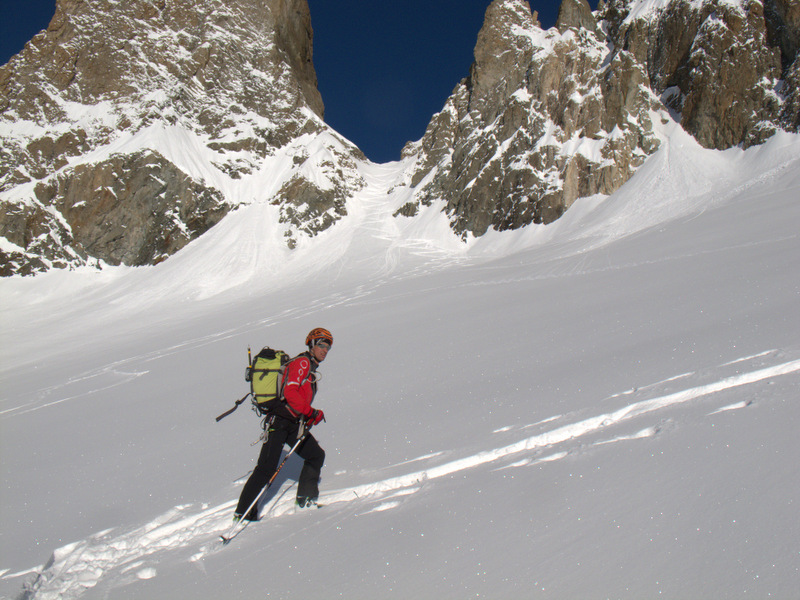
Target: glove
315, 418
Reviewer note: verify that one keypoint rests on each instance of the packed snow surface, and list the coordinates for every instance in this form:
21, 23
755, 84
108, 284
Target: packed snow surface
605, 407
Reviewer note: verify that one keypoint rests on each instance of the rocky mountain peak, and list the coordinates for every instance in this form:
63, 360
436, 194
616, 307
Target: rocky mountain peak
498, 151
80, 175
546, 117
498, 47
576, 14
177, 60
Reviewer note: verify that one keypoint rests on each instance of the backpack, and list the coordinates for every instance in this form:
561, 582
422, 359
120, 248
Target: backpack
265, 375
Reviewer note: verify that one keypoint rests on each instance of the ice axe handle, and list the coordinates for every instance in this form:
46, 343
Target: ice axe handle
235, 406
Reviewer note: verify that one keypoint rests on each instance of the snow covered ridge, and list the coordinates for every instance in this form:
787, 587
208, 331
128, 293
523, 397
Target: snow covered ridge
542, 119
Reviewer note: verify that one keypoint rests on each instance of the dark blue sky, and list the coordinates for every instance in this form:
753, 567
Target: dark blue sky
384, 67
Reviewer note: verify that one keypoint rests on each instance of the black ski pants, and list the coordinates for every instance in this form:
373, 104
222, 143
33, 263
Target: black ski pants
281, 432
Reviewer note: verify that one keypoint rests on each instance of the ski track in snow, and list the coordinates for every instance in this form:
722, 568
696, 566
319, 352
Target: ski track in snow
120, 372
125, 556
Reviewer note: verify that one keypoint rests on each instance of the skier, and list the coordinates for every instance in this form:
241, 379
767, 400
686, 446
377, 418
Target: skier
283, 426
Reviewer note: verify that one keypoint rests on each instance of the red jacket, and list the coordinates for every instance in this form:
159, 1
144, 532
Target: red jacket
299, 384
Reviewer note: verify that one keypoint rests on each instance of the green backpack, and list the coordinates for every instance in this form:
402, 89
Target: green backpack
265, 375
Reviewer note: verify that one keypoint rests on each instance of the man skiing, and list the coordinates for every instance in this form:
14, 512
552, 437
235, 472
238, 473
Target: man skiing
284, 425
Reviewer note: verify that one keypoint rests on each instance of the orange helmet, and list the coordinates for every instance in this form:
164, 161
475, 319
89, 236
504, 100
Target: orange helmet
318, 334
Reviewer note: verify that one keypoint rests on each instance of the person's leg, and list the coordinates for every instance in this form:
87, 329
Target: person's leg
314, 457
267, 463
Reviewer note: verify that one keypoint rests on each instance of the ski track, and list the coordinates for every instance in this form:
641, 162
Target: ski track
121, 371
123, 555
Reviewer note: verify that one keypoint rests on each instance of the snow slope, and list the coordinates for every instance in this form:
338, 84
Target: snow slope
605, 407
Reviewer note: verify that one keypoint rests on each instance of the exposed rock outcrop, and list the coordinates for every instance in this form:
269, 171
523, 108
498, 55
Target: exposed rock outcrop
712, 63
546, 117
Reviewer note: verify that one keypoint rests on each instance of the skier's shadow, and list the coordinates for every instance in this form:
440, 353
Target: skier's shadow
289, 472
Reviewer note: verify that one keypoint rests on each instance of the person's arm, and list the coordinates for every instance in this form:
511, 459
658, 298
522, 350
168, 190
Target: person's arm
297, 389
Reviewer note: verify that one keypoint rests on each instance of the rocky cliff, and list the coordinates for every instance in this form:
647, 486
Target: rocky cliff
129, 129
545, 117
80, 176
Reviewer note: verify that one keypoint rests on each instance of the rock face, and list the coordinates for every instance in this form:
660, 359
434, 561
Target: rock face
726, 68
783, 27
712, 63
542, 119
546, 117
131, 209
80, 178
128, 129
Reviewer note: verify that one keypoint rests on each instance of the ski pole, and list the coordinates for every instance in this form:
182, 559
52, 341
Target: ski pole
233, 533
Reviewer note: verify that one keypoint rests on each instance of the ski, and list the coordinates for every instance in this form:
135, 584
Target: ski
236, 530
226, 539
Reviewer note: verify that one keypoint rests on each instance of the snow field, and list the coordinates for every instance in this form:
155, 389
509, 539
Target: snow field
126, 556
604, 407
